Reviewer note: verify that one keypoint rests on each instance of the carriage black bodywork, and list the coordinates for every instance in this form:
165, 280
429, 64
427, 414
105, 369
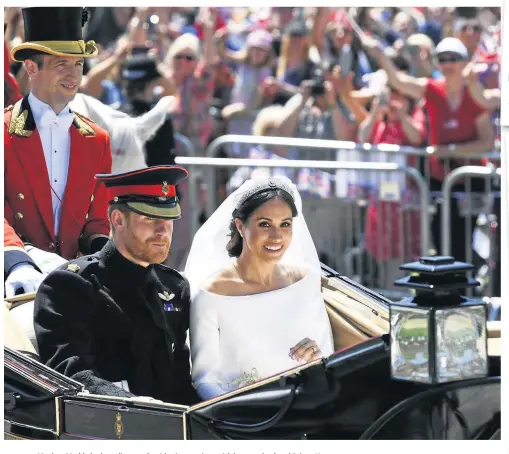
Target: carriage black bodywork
349, 395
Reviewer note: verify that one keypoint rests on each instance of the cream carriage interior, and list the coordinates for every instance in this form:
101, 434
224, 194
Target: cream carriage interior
360, 323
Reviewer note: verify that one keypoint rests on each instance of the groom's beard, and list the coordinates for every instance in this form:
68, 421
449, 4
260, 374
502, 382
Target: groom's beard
146, 251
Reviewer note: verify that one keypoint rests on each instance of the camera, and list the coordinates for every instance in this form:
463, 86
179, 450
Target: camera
317, 87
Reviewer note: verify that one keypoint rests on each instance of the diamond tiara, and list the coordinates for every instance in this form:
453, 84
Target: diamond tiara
271, 183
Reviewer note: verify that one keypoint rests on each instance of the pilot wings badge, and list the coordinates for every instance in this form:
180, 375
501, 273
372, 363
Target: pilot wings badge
166, 296
119, 426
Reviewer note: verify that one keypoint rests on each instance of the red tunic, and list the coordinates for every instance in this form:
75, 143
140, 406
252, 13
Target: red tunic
27, 192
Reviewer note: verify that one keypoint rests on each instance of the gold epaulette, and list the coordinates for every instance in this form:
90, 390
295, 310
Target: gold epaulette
81, 122
18, 121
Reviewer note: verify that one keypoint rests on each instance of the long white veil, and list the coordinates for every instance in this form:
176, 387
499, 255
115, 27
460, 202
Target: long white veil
208, 251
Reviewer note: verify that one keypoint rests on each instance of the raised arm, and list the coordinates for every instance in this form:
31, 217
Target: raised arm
225, 54
344, 87
486, 98
413, 87
209, 47
318, 29
293, 108
365, 131
92, 83
339, 122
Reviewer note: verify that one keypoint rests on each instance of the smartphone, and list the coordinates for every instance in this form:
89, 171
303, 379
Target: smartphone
140, 50
346, 60
384, 97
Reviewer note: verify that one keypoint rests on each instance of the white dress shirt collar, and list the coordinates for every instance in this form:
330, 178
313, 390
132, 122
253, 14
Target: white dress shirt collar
40, 108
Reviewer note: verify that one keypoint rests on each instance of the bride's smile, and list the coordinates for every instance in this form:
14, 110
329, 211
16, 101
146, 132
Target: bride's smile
268, 231
274, 248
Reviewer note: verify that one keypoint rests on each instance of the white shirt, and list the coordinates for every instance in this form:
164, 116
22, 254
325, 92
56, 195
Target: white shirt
56, 143
238, 340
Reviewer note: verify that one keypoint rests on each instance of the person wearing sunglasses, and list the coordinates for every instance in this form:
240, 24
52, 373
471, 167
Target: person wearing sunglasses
458, 126
469, 32
192, 69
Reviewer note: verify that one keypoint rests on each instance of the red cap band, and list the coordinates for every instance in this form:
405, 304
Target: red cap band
154, 190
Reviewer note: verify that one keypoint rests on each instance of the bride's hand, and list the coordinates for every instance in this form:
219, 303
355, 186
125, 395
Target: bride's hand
306, 350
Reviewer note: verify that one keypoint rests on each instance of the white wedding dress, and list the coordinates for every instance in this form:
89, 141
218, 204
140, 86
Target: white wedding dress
237, 340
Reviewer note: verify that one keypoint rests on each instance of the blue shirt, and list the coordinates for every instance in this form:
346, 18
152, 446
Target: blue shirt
111, 94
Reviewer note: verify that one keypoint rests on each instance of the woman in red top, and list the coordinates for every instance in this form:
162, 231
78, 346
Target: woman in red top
393, 119
458, 125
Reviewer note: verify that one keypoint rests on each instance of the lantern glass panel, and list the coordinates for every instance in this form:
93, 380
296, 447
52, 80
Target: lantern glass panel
461, 351
410, 344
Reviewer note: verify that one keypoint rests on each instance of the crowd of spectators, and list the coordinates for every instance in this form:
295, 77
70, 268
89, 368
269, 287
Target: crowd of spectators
299, 72
226, 64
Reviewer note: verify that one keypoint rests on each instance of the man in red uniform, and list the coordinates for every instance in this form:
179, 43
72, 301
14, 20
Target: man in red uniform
457, 125
52, 154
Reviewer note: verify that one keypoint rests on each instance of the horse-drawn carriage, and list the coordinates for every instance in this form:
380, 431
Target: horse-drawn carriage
349, 395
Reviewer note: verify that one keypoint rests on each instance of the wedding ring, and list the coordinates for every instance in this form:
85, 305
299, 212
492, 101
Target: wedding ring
314, 349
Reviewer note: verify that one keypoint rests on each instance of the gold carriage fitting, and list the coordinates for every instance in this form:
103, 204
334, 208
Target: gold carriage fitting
54, 31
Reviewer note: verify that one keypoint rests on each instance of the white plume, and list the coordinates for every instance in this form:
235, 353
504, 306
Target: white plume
128, 135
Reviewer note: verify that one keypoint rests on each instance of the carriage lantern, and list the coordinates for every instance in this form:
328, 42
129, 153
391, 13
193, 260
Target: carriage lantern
438, 335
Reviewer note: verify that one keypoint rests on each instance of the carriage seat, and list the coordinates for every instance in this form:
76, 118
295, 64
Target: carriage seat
352, 320
19, 332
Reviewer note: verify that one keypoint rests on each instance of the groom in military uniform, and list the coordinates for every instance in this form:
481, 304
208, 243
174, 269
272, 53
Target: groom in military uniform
117, 320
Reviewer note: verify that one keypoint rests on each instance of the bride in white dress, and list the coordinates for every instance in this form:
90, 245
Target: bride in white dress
257, 308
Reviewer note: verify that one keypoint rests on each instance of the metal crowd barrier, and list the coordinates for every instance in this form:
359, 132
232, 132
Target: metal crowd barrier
340, 151
301, 145
484, 204
316, 220
185, 143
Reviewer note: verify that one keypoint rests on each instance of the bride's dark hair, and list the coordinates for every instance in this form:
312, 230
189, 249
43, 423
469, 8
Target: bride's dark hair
234, 246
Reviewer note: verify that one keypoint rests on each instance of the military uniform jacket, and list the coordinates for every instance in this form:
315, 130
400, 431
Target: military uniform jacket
102, 319
27, 191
